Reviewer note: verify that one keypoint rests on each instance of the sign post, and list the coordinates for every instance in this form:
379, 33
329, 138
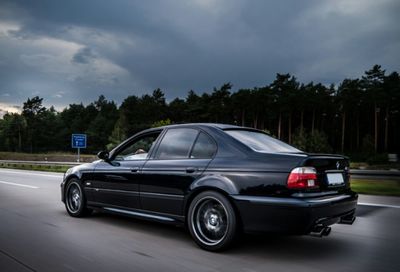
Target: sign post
78, 141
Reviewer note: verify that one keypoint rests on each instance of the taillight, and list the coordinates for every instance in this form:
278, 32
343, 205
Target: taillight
302, 178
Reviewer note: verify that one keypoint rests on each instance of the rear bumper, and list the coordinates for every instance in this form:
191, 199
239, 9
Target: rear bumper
292, 215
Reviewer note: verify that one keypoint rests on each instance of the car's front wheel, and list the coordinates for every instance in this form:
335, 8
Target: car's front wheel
212, 221
75, 201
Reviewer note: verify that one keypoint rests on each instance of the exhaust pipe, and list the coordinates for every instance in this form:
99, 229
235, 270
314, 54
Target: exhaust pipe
320, 230
348, 219
326, 231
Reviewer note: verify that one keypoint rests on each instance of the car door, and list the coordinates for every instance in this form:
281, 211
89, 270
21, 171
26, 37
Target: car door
181, 157
116, 181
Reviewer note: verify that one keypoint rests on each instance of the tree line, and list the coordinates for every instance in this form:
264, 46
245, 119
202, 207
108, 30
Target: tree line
358, 116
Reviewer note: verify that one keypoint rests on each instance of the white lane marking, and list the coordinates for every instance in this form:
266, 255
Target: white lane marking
31, 173
18, 184
378, 205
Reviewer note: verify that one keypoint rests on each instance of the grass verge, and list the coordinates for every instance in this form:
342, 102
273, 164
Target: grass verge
34, 167
53, 156
376, 187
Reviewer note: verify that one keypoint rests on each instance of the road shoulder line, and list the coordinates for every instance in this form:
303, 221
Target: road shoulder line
18, 184
378, 205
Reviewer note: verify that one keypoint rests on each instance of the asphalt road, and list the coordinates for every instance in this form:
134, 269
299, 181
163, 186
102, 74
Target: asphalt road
36, 234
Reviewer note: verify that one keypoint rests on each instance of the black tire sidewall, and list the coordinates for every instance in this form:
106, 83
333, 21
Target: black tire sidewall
232, 221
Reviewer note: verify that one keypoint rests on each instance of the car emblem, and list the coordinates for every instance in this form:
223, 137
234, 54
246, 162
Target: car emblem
337, 165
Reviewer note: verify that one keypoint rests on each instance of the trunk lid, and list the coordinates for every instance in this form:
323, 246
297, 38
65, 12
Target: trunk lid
332, 171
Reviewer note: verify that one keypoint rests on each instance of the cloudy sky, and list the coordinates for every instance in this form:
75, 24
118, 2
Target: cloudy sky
73, 51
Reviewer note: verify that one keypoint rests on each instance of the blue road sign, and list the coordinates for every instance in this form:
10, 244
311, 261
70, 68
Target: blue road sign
78, 140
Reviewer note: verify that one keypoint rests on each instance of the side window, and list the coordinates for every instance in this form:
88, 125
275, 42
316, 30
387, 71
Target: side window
204, 148
138, 149
176, 143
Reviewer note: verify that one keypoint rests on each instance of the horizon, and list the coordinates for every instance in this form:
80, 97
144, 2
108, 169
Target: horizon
4, 108
71, 53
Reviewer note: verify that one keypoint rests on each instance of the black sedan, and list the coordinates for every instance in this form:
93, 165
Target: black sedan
216, 180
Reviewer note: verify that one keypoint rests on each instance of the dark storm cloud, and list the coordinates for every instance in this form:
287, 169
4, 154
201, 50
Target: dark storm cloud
84, 55
72, 51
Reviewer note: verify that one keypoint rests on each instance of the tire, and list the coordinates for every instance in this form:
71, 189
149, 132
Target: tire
75, 200
212, 221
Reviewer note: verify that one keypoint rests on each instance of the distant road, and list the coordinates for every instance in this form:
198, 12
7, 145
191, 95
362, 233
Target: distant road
36, 234
375, 174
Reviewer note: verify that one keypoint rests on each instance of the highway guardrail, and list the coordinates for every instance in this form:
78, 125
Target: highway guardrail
40, 162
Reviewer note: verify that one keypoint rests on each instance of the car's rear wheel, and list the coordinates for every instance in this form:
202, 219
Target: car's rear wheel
212, 221
75, 201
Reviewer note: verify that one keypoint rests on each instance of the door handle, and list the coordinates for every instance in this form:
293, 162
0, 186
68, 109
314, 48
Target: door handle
135, 169
191, 169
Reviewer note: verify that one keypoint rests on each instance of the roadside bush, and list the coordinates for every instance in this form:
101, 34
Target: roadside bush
367, 145
377, 158
314, 143
161, 123
300, 140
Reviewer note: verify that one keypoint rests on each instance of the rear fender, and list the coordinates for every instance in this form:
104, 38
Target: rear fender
210, 182
215, 181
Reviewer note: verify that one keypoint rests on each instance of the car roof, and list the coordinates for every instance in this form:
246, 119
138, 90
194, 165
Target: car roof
215, 125
199, 125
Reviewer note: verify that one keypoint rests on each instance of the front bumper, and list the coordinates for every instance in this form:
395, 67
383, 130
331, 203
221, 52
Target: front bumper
62, 185
292, 215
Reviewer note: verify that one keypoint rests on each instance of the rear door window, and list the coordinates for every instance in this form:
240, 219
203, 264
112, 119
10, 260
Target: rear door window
204, 148
176, 143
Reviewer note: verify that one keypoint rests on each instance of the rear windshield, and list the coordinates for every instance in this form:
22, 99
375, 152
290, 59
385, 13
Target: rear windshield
261, 142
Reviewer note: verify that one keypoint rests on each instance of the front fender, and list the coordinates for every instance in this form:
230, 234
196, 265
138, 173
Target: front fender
75, 172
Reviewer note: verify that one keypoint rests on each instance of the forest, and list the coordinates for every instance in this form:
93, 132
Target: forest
358, 117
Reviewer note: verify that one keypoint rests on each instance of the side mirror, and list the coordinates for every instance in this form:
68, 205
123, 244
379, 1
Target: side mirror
103, 155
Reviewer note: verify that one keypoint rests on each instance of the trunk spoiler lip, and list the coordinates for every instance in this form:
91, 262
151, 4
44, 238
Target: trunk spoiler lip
325, 156
311, 155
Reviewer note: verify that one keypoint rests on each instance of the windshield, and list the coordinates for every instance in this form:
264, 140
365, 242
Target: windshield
261, 142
